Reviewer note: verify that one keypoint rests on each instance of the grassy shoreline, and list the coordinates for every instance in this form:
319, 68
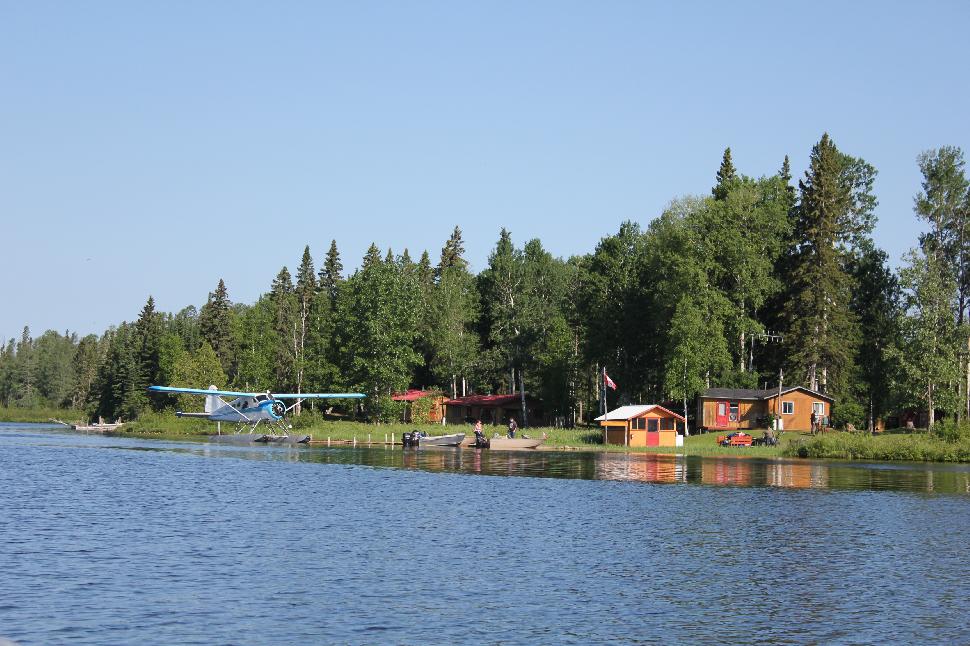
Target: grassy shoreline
917, 446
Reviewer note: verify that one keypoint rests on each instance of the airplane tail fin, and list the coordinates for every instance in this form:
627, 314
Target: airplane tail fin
213, 402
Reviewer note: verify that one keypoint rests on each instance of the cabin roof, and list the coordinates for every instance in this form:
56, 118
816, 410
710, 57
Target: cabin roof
411, 395
635, 410
487, 401
758, 393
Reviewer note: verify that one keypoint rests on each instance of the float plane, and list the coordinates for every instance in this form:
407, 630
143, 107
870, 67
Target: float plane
248, 411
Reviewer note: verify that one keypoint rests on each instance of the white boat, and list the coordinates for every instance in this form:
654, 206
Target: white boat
502, 442
416, 439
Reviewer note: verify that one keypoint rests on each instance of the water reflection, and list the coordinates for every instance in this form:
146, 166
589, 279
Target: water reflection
660, 468
635, 467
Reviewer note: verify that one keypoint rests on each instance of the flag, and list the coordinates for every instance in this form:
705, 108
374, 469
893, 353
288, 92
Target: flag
609, 383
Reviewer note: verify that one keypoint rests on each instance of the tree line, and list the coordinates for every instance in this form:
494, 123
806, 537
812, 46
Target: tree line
760, 282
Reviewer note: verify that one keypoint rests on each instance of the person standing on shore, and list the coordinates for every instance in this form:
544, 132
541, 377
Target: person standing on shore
513, 427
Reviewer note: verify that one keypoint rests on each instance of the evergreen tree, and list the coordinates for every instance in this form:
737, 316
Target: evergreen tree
834, 217
452, 254
285, 330
330, 274
725, 174
119, 390
148, 337
501, 291
24, 387
425, 294
306, 289
215, 324
186, 325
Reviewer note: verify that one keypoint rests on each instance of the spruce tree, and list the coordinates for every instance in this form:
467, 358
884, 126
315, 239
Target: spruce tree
452, 254
834, 217
725, 174
147, 339
216, 328
331, 273
306, 288
282, 299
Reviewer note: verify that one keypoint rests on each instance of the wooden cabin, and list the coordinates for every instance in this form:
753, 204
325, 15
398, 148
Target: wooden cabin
720, 409
493, 409
642, 425
435, 407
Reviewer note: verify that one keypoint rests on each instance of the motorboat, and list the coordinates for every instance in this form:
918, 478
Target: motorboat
416, 438
502, 442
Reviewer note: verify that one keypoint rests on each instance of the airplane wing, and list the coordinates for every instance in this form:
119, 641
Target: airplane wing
200, 391
233, 393
319, 396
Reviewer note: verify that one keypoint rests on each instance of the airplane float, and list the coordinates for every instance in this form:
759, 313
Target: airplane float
249, 410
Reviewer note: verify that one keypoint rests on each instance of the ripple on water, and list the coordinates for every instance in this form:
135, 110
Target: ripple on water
175, 543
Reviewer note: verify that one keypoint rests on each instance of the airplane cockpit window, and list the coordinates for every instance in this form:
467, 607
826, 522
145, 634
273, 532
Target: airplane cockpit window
260, 398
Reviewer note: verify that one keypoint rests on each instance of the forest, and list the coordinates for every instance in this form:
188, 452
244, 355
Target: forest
761, 280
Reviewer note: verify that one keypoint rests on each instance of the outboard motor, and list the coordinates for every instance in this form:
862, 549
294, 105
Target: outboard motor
481, 442
410, 439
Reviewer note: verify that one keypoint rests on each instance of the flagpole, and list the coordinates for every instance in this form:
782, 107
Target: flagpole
603, 398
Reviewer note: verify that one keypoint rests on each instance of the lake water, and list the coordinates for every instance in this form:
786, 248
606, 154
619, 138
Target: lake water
123, 541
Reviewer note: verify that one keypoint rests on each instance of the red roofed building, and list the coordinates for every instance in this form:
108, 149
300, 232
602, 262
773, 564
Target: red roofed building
436, 412
493, 409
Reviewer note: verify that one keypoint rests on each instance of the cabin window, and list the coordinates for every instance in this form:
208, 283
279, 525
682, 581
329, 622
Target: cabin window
818, 408
787, 408
653, 425
638, 423
734, 412
667, 424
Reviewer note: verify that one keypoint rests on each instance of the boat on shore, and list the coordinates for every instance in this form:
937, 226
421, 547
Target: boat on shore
415, 438
505, 443
97, 427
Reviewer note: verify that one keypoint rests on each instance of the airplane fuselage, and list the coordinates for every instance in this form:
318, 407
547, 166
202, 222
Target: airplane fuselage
244, 410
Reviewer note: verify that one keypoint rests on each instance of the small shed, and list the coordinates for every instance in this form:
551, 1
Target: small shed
747, 408
642, 425
436, 412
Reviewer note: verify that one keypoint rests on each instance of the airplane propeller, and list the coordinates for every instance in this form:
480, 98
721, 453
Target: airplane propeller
279, 408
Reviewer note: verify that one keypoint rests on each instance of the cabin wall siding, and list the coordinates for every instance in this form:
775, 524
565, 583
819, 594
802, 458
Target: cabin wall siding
749, 411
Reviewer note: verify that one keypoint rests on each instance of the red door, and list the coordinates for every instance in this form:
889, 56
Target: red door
721, 418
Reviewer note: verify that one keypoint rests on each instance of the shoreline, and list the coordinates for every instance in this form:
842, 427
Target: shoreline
887, 447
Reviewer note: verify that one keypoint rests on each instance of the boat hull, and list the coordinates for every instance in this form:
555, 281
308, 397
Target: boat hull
455, 439
505, 443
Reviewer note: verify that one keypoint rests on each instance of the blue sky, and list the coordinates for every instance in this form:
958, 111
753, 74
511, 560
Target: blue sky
152, 148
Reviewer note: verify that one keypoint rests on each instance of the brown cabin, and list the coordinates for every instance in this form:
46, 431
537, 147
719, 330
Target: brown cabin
720, 409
